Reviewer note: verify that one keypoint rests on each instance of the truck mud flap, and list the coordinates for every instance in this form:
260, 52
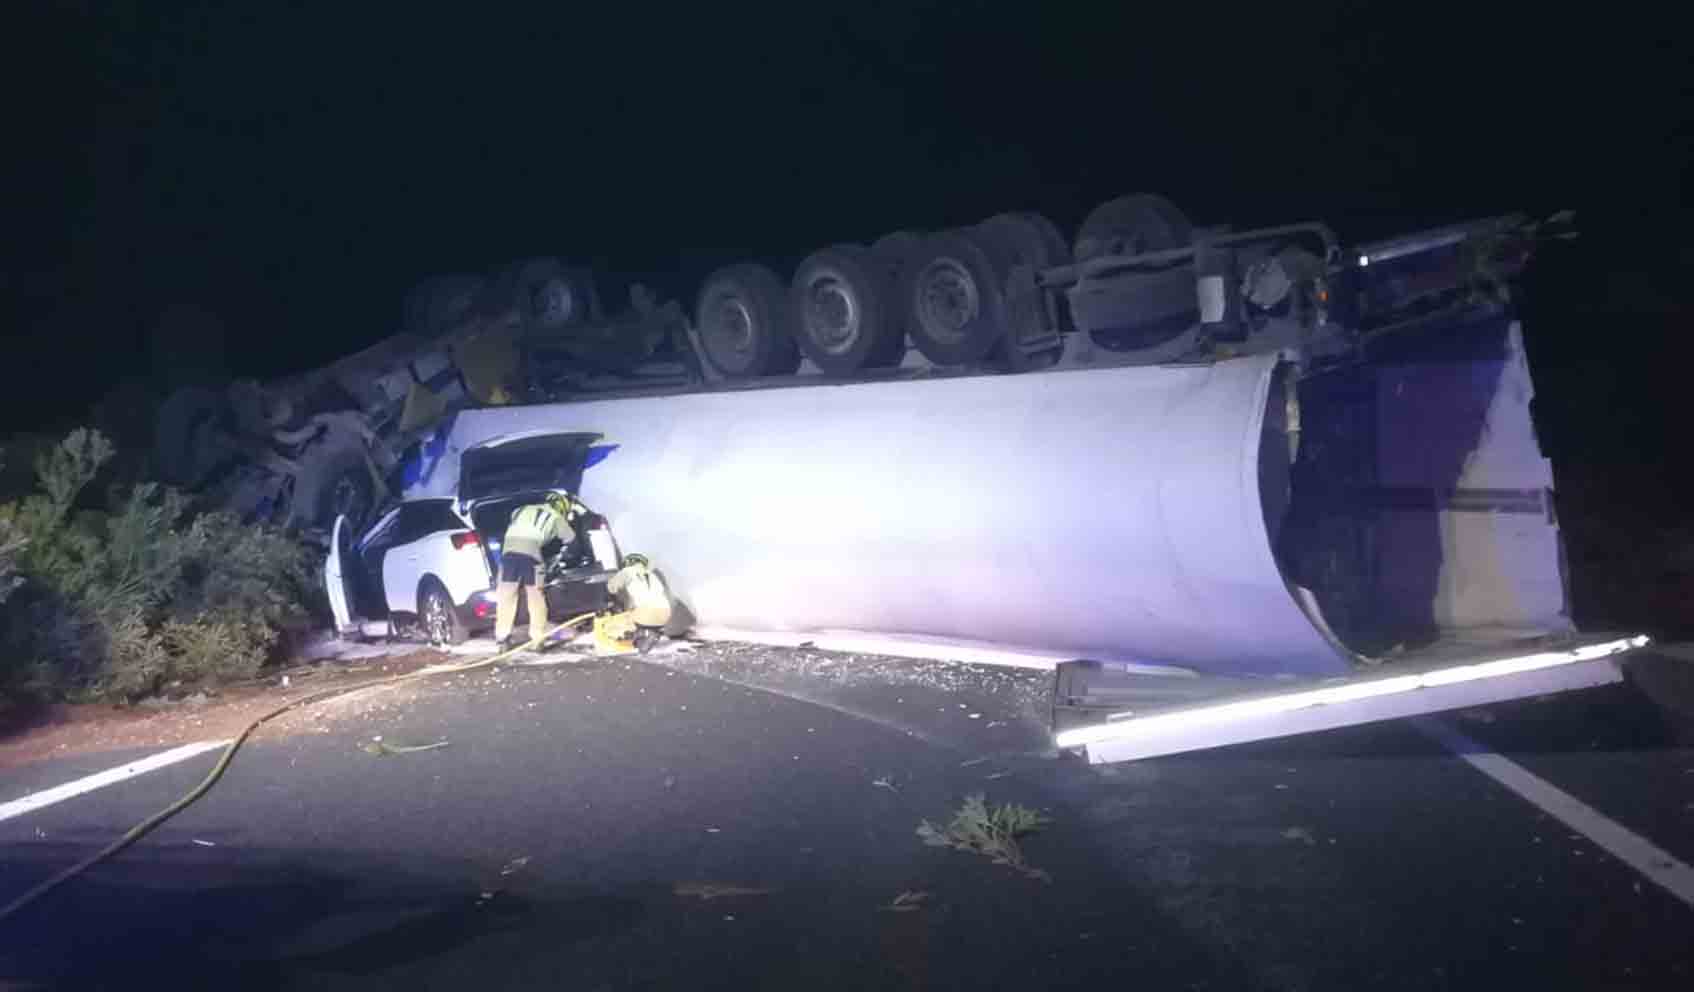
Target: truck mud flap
1108, 714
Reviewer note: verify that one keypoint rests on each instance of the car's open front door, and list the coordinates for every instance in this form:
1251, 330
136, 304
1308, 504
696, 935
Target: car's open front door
337, 577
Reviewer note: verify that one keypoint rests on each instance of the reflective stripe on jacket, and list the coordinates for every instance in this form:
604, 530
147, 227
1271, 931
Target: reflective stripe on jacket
532, 527
643, 593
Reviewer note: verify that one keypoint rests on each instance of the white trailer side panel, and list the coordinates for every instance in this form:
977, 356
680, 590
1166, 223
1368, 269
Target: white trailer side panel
1113, 513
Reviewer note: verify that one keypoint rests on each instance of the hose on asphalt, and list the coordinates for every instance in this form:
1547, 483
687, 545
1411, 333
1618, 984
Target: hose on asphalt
147, 826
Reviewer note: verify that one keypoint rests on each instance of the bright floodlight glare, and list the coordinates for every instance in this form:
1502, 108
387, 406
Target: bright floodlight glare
1127, 725
1364, 261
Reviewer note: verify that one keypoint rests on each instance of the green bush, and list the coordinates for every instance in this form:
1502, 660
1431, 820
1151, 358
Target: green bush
119, 602
11, 546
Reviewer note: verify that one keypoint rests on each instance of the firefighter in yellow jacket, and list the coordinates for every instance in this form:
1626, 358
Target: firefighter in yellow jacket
532, 528
639, 591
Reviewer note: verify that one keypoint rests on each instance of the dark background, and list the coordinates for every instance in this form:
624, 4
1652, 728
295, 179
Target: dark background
294, 173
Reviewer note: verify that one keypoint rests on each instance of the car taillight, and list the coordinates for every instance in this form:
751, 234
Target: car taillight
467, 537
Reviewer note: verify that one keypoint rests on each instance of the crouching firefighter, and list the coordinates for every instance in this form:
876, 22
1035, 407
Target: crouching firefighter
638, 592
531, 529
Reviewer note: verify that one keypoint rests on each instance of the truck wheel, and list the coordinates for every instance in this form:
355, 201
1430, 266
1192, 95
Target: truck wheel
1132, 224
546, 294
1013, 241
745, 318
438, 305
1032, 241
842, 303
1035, 239
1134, 311
440, 622
954, 298
894, 251
181, 422
334, 483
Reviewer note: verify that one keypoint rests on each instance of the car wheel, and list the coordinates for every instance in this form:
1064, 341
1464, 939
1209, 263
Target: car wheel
440, 622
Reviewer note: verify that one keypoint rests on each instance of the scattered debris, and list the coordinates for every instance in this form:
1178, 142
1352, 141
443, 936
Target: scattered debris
992, 833
1300, 834
972, 761
205, 843
713, 830
707, 891
991, 776
906, 902
885, 782
513, 865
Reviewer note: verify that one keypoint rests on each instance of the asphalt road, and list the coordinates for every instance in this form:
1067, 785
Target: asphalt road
570, 834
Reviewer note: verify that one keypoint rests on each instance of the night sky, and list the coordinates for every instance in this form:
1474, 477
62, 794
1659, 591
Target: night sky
295, 173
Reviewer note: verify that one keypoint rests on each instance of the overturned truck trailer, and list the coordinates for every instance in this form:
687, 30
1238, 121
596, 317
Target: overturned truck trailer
1303, 475
1380, 520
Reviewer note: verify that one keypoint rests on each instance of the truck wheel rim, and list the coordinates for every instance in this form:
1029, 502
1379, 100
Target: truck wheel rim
345, 499
436, 622
948, 300
554, 302
832, 314
731, 328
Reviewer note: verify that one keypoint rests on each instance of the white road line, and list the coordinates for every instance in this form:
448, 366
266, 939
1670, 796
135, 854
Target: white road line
99, 780
1657, 864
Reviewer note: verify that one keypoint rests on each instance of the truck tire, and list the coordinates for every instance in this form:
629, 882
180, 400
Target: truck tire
438, 305
334, 482
546, 294
1130, 225
954, 295
183, 417
1029, 240
1036, 239
1136, 310
843, 314
894, 251
439, 621
745, 319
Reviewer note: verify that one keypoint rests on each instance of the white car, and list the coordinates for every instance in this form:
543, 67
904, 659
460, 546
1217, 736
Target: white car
431, 564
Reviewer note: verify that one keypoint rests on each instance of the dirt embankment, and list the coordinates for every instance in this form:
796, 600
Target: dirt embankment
31, 733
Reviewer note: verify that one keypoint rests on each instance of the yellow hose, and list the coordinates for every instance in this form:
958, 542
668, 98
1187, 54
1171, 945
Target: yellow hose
146, 826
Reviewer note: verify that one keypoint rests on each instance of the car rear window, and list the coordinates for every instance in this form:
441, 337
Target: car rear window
425, 517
